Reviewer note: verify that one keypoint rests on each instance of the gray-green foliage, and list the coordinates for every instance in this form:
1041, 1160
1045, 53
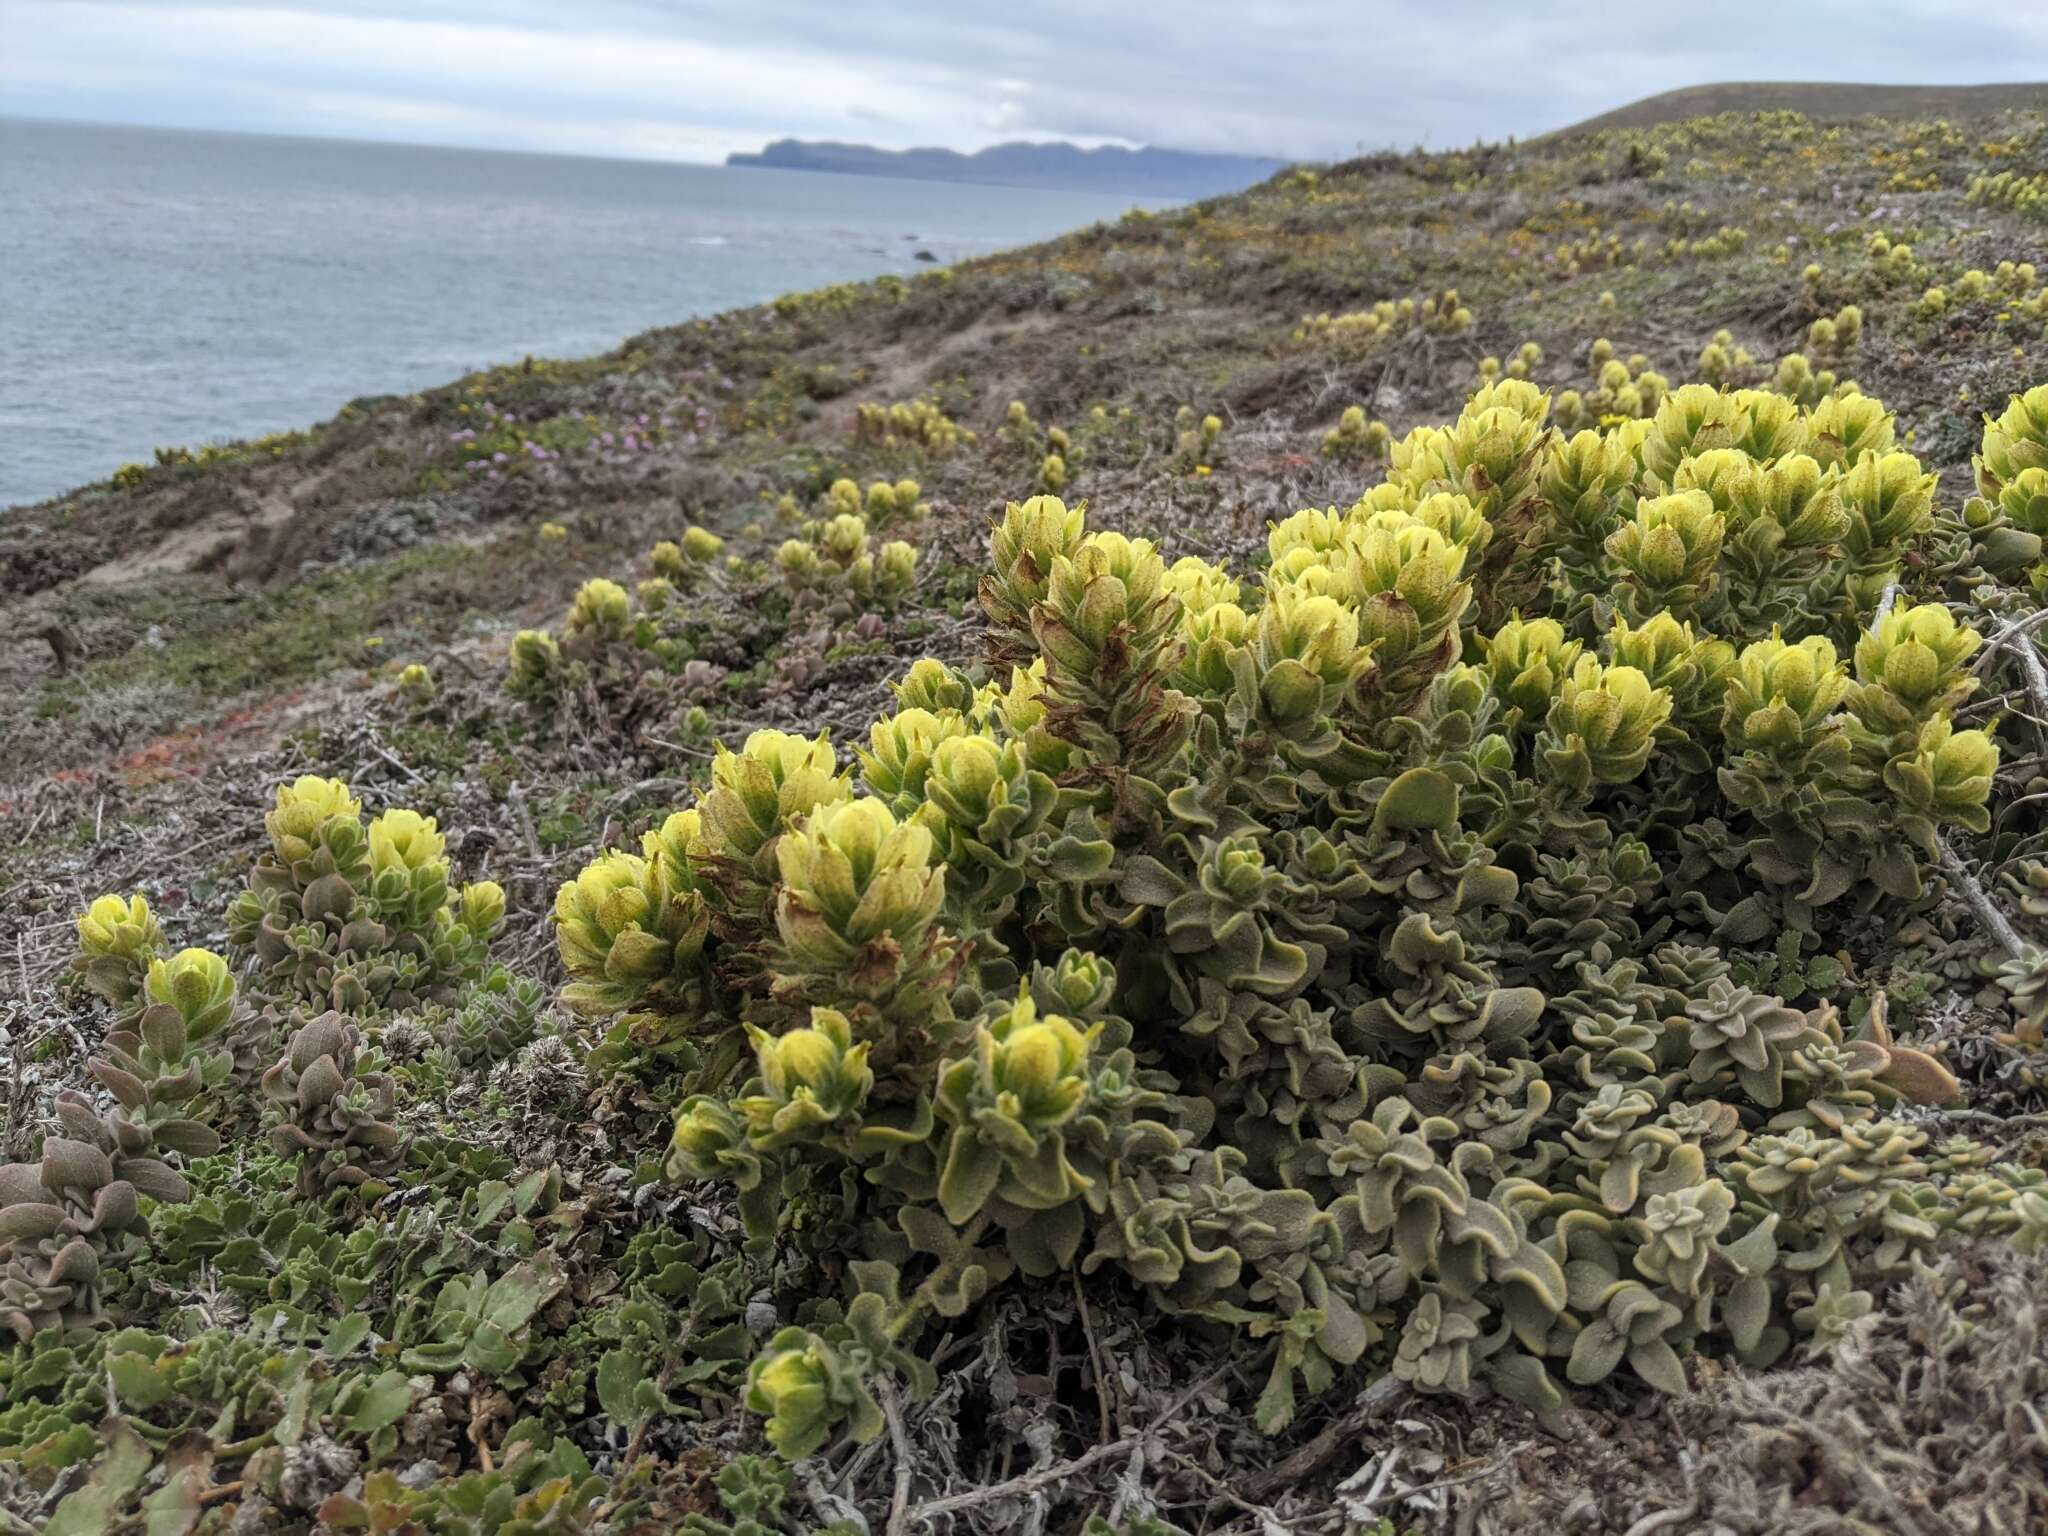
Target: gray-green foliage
1382, 1004
354, 916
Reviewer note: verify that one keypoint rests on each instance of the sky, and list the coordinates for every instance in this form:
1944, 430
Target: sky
695, 79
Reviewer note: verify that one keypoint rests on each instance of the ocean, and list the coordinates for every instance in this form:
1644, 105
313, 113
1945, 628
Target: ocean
168, 288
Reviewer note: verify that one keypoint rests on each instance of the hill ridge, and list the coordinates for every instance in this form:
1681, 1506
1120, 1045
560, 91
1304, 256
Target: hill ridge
1816, 98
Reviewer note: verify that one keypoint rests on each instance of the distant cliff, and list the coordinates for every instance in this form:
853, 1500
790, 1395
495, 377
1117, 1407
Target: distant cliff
1171, 173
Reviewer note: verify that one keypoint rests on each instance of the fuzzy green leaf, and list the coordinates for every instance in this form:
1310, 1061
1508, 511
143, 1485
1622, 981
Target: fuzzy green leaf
384, 1403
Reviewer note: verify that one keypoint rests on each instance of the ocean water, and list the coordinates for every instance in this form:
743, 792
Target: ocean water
160, 287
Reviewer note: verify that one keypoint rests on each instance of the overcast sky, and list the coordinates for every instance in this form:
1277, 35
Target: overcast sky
693, 79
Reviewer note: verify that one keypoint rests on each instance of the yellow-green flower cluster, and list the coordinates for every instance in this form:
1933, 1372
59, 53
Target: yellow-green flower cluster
1196, 444
908, 424
761, 790
2015, 441
884, 502
859, 890
1441, 313
1527, 660
122, 928
1492, 454
304, 810
1667, 554
198, 985
532, 664
1607, 718
1355, 438
898, 757
1782, 695
1623, 390
625, 931
1837, 335
2017, 190
838, 554
1031, 537
1400, 576
809, 1078
601, 608
1909, 669
1946, 777
1722, 362
1005, 1104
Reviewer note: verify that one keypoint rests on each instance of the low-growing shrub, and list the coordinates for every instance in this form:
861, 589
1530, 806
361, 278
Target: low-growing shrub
351, 914
1346, 959
1361, 330
912, 424
1196, 444
2017, 190
1624, 389
1354, 438
838, 557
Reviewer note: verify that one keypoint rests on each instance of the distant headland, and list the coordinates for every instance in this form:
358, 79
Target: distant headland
1167, 173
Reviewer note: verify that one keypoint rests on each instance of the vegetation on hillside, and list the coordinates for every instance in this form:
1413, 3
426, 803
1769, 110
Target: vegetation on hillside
1825, 100
1362, 858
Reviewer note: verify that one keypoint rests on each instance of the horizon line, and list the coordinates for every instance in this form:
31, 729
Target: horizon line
622, 157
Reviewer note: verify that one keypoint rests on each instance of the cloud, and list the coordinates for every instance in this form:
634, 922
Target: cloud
692, 79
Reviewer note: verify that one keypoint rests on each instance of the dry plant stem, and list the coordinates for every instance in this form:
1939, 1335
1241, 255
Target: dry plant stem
1129, 1485
384, 752
2017, 635
899, 1500
829, 1506
1997, 1122
1023, 1483
477, 1428
1027, 1482
1380, 1399
1664, 1519
1095, 1364
679, 746
517, 798
1381, 1478
1980, 902
1460, 1479
1268, 1518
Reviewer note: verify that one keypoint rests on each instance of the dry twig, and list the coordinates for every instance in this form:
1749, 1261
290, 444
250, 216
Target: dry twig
1380, 1399
1028, 1482
1980, 902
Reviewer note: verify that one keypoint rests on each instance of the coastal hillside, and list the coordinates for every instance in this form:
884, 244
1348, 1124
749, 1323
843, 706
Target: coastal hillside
1364, 857
1821, 100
